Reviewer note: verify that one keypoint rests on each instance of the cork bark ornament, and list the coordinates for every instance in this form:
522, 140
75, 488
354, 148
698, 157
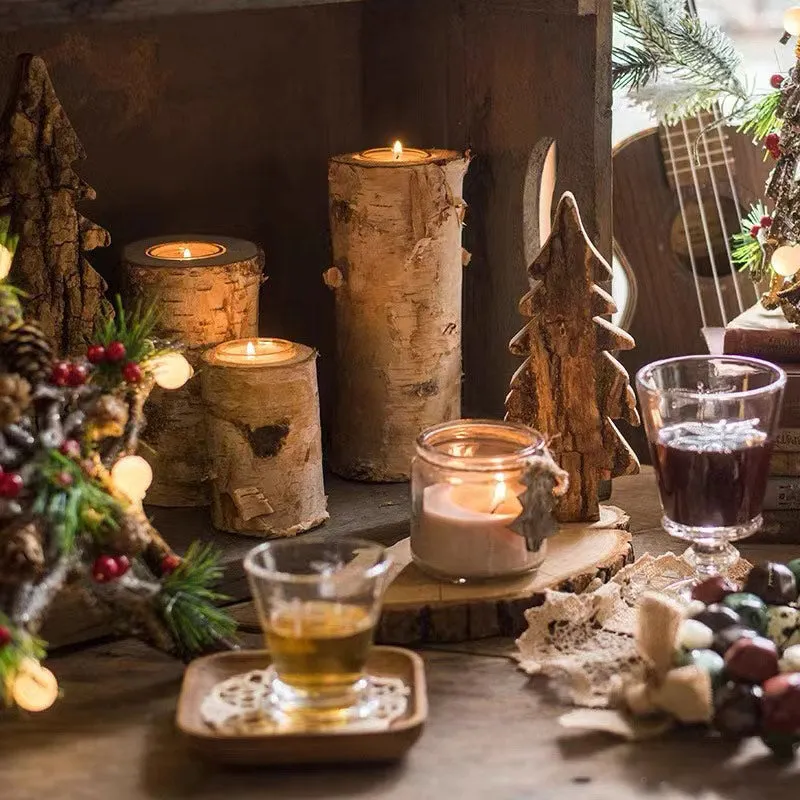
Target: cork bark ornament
41, 190
570, 386
397, 278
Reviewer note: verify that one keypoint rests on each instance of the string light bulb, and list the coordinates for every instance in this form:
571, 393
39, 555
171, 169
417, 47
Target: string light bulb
34, 687
786, 260
132, 475
791, 21
6, 257
171, 371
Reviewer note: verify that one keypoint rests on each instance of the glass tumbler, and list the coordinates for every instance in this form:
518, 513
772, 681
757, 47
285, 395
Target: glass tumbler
710, 423
318, 603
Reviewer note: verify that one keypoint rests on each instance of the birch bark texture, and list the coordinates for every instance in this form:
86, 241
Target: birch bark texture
202, 303
265, 444
397, 276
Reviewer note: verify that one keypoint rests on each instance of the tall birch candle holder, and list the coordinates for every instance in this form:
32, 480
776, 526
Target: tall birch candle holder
396, 218
261, 406
206, 290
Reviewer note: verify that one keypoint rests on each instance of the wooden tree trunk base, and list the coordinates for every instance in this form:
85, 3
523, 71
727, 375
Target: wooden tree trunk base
419, 609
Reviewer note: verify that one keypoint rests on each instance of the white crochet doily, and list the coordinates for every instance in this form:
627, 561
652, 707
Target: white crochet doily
585, 642
242, 706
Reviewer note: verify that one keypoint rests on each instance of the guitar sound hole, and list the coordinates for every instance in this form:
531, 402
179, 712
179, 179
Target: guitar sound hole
697, 236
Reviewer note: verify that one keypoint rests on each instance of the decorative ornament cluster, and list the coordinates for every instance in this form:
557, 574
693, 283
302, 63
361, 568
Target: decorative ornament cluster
71, 489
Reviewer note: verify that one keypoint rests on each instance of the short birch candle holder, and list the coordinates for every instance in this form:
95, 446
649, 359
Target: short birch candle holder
206, 290
261, 407
396, 218
466, 484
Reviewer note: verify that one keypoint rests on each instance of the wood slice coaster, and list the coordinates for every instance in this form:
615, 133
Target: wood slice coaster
419, 609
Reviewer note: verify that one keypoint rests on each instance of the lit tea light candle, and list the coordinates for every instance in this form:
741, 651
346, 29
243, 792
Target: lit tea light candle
396, 154
185, 251
254, 352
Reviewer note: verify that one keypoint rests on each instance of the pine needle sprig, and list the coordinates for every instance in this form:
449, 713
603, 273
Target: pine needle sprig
761, 118
133, 328
747, 252
23, 645
190, 603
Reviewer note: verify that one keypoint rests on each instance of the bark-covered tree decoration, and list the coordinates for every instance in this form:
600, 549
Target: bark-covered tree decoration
40, 190
70, 513
569, 385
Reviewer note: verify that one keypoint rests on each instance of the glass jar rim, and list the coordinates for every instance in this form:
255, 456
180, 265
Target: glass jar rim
534, 444
645, 383
383, 559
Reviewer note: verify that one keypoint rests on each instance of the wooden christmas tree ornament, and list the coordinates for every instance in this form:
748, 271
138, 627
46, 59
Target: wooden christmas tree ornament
206, 290
41, 190
397, 274
570, 386
264, 440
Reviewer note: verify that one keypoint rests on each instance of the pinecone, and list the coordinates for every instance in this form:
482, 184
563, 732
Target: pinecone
26, 350
108, 417
21, 553
10, 307
15, 398
131, 536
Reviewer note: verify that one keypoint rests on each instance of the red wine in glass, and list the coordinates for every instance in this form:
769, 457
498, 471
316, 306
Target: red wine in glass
712, 474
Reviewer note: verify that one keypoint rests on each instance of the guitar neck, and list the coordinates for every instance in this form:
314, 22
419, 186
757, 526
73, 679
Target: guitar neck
696, 150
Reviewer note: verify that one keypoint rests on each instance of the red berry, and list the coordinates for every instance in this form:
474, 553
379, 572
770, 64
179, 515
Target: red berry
115, 351
11, 484
773, 142
123, 565
776, 81
105, 569
96, 353
5, 636
70, 448
59, 375
77, 375
65, 479
766, 221
754, 231
170, 563
132, 372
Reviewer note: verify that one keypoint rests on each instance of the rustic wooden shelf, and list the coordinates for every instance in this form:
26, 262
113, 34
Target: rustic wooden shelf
19, 13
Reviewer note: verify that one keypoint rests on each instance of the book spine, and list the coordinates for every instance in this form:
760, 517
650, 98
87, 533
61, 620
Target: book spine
780, 527
785, 464
771, 345
782, 493
787, 440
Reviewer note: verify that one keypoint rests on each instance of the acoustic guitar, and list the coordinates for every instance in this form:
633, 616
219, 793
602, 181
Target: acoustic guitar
679, 195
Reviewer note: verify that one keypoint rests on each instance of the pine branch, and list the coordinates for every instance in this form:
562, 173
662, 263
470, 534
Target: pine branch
761, 118
747, 251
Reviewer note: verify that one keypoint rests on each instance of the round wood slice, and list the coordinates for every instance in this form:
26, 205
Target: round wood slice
419, 609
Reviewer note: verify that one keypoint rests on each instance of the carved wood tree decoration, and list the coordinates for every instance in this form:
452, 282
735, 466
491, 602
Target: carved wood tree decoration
40, 190
569, 386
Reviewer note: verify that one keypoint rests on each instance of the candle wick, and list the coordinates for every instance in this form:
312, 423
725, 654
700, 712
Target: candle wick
496, 506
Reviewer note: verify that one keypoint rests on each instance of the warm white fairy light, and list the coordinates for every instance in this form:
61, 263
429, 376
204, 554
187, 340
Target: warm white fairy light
791, 21
786, 260
132, 475
171, 371
34, 687
6, 257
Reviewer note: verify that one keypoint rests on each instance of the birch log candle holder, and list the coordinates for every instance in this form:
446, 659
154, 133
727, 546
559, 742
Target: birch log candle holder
263, 430
206, 290
396, 218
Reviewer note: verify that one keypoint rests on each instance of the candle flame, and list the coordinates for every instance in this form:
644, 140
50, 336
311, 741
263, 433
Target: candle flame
499, 495
187, 253
250, 350
397, 150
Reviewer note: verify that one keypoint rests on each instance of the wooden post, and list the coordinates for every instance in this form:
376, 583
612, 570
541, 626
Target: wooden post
397, 275
265, 442
207, 297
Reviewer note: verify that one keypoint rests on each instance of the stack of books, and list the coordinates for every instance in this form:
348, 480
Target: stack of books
767, 335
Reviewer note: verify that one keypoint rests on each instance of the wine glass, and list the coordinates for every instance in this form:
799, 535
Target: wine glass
711, 422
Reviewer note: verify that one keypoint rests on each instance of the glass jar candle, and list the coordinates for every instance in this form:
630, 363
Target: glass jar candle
466, 479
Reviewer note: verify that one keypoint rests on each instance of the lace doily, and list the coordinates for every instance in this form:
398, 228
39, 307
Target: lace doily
242, 706
585, 643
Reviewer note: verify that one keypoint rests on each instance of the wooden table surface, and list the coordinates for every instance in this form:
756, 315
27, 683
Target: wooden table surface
491, 734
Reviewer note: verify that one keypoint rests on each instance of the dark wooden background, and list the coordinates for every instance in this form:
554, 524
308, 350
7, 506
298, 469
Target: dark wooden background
223, 122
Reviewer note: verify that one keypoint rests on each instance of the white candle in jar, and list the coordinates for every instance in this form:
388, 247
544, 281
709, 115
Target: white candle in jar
464, 531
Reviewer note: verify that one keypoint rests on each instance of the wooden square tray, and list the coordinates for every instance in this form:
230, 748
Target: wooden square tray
301, 748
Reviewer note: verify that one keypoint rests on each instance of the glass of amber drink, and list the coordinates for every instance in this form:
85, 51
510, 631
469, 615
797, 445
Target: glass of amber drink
318, 603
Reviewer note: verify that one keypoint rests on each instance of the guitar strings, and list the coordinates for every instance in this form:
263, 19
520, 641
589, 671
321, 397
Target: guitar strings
720, 213
684, 220
706, 231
